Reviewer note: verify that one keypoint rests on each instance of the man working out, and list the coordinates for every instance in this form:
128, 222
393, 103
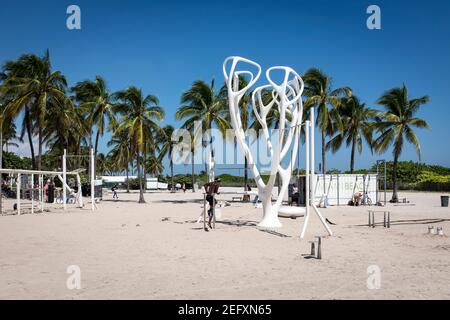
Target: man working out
211, 189
114, 190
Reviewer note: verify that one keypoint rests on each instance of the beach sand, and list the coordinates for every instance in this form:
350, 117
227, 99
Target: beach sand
127, 250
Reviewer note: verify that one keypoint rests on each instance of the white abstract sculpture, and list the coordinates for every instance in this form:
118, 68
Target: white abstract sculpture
287, 98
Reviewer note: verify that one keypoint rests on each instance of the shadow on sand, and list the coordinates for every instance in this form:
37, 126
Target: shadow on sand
405, 222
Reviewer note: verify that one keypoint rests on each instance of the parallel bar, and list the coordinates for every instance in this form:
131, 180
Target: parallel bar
18, 184
64, 180
32, 193
52, 173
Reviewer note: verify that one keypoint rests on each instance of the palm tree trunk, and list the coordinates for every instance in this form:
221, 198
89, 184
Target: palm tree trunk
40, 147
211, 174
97, 136
394, 180
171, 169
145, 172
30, 137
141, 192
128, 180
352, 157
193, 169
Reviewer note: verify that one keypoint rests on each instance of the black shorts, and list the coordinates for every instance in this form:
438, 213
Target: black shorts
211, 200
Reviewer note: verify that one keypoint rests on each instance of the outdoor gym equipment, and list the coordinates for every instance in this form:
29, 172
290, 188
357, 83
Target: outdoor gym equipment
386, 218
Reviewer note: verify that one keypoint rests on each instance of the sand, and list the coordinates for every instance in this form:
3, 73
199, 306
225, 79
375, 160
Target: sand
127, 250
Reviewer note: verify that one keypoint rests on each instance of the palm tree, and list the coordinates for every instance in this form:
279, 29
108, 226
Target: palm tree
202, 103
32, 85
396, 124
120, 154
154, 165
139, 119
319, 93
167, 146
95, 98
358, 125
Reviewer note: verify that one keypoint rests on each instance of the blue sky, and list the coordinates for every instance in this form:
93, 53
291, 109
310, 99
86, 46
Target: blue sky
163, 46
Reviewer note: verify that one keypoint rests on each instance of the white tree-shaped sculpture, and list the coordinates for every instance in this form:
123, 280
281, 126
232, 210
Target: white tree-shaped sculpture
286, 97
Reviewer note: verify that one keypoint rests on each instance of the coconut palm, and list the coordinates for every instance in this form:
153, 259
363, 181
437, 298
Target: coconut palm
202, 103
166, 148
154, 165
95, 98
319, 93
358, 124
139, 119
120, 154
397, 124
31, 84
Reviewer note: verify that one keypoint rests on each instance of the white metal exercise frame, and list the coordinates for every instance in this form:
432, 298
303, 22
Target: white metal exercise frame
62, 176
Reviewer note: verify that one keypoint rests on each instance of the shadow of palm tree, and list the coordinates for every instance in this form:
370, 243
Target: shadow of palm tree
238, 223
179, 201
275, 233
411, 221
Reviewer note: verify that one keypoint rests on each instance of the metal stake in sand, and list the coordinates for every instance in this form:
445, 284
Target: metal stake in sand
319, 247
313, 248
388, 219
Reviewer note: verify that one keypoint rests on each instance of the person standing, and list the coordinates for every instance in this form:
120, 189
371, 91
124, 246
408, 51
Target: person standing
211, 189
114, 190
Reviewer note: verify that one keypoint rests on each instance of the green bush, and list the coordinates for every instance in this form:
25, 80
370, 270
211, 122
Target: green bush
431, 181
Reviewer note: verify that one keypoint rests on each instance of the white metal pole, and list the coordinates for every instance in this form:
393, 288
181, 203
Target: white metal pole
312, 152
32, 193
18, 192
92, 180
41, 192
307, 179
64, 180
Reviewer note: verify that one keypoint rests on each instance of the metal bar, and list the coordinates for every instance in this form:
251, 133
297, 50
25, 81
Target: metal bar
52, 173
18, 192
319, 247
32, 194
389, 219
64, 180
204, 212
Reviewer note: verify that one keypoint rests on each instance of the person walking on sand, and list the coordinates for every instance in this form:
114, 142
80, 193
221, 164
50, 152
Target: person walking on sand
114, 190
211, 189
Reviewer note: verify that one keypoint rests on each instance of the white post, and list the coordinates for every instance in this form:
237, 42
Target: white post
18, 192
92, 180
79, 193
313, 174
307, 179
64, 180
32, 193
41, 192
